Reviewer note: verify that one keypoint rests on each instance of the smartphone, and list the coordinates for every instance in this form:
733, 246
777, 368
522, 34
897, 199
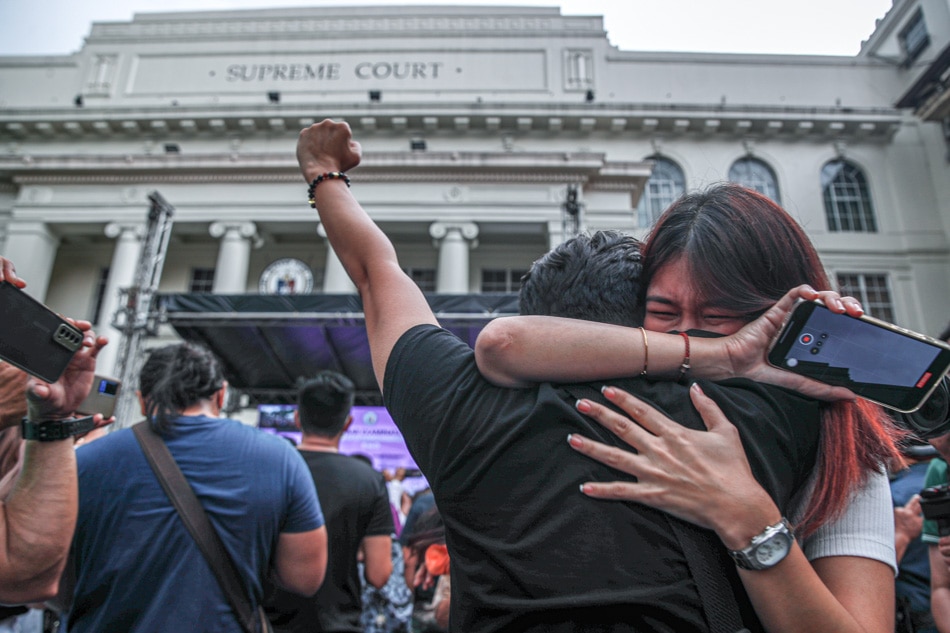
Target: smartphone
102, 397
879, 361
33, 337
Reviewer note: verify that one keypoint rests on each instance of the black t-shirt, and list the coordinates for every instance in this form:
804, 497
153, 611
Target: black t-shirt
529, 552
355, 505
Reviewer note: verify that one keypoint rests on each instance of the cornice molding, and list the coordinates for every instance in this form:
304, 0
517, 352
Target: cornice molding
163, 125
346, 22
382, 167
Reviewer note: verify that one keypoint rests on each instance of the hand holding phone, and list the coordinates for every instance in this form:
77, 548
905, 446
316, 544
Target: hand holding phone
33, 337
879, 361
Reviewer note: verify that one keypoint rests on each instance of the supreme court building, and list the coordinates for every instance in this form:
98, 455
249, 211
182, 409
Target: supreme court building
489, 134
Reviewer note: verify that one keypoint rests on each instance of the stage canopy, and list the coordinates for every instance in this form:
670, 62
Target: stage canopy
267, 342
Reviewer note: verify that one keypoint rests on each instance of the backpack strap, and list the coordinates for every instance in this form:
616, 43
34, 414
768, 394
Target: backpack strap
715, 590
193, 515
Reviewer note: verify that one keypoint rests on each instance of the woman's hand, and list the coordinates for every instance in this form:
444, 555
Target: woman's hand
746, 349
701, 477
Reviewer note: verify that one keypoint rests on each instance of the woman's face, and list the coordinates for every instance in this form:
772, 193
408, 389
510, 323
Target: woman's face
672, 305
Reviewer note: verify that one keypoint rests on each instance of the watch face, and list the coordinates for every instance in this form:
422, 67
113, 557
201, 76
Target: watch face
772, 550
286, 277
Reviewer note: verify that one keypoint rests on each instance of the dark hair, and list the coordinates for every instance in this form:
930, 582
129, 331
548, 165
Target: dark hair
174, 378
427, 530
324, 403
592, 277
743, 252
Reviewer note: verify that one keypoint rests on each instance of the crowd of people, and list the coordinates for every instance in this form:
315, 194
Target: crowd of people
621, 457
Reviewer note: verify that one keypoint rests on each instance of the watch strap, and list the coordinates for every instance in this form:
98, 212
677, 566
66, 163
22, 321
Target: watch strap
55, 430
746, 558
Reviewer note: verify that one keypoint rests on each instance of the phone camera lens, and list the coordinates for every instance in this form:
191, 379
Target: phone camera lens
814, 350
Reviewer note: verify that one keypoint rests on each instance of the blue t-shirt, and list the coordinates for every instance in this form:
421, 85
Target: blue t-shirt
137, 566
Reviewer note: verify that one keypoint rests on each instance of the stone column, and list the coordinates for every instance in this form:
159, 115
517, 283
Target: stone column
125, 259
234, 255
31, 246
335, 279
454, 240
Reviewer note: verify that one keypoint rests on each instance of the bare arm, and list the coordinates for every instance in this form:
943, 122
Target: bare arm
392, 302
300, 562
517, 351
908, 524
38, 517
378, 559
704, 477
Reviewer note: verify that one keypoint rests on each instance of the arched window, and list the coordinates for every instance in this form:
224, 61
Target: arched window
755, 174
665, 185
847, 199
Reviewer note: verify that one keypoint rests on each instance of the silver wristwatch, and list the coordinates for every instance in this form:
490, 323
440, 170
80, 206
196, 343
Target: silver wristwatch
767, 549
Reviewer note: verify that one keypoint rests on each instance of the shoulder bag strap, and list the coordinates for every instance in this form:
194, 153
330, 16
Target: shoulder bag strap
195, 518
715, 590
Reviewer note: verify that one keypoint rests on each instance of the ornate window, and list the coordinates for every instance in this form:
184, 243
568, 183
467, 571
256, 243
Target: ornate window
914, 38
202, 280
755, 174
871, 290
666, 184
501, 279
847, 199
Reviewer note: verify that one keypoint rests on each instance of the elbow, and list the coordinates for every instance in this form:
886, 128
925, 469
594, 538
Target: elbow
307, 586
379, 576
494, 347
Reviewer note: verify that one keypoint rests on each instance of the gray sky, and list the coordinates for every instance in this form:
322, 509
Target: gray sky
823, 27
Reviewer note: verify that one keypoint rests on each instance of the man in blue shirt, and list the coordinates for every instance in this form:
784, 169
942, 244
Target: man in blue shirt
137, 568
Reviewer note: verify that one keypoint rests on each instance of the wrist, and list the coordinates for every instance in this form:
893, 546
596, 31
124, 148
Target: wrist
36, 413
709, 359
742, 524
56, 430
312, 171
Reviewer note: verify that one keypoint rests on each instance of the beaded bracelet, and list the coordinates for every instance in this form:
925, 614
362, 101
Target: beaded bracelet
330, 175
684, 367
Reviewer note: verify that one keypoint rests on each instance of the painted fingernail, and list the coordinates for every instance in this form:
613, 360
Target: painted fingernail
695, 387
583, 406
609, 392
575, 441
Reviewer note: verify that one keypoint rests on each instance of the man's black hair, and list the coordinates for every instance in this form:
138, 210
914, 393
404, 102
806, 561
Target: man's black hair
175, 377
594, 277
324, 403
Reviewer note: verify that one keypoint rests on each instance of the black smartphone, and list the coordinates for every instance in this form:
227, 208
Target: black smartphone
33, 337
879, 361
101, 398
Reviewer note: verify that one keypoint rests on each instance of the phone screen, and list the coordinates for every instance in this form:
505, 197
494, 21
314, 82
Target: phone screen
875, 360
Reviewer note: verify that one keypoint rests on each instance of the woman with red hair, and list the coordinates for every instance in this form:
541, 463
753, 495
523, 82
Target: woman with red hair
715, 261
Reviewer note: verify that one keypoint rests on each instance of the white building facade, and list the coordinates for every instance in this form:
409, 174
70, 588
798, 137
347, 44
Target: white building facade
477, 124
